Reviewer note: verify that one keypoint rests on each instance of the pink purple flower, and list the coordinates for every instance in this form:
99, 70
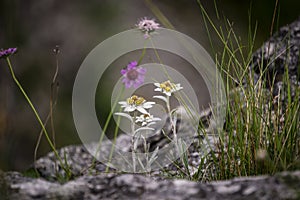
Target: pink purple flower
7, 52
147, 26
133, 75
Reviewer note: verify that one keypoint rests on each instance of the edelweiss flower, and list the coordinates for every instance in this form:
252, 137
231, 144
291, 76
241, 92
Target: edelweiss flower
167, 87
133, 75
136, 103
146, 119
147, 26
7, 52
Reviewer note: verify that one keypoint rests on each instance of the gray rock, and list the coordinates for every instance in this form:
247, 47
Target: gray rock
285, 185
279, 54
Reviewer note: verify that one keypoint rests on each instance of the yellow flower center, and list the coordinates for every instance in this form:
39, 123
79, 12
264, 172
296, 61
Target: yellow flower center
167, 86
134, 97
135, 100
167, 89
139, 101
162, 85
130, 101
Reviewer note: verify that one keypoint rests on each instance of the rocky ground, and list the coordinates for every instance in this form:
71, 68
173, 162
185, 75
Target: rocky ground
92, 183
131, 186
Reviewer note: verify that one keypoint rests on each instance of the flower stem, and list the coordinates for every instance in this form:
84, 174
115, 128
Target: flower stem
133, 140
173, 124
35, 113
105, 128
143, 54
114, 143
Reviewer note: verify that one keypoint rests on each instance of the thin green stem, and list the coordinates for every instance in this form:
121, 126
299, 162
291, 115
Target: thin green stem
114, 142
106, 126
35, 112
52, 103
38, 143
133, 147
54, 90
143, 53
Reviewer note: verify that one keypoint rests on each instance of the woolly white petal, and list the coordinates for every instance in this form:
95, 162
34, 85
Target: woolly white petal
178, 87
148, 104
143, 129
123, 103
124, 115
157, 84
151, 123
168, 93
129, 109
142, 110
156, 119
144, 123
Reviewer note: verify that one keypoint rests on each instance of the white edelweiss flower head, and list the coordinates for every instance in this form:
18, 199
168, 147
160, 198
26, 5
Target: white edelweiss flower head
136, 103
146, 119
167, 87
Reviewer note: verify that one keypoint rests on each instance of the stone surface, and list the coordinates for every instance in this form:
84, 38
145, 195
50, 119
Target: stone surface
282, 50
285, 185
279, 54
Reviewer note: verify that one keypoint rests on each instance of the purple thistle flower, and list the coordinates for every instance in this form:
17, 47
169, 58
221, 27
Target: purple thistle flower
147, 26
4, 53
133, 75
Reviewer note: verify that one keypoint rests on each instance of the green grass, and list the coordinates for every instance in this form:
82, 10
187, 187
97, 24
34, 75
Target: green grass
261, 130
261, 133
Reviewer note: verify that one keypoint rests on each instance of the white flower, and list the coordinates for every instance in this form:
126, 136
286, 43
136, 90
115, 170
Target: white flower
136, 103
147, 26
146, 119
167, 87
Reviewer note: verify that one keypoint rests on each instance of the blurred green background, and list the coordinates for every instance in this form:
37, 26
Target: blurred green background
77, 26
